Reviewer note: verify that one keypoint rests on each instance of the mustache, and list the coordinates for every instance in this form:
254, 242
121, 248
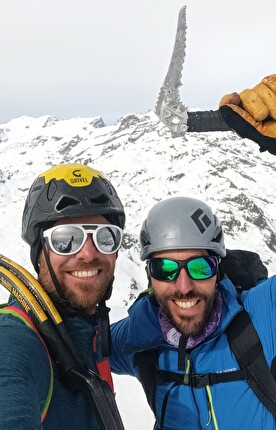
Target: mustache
189, 296
81, 265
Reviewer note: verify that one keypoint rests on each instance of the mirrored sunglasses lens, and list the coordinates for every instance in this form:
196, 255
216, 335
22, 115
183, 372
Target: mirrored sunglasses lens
202, 268
67, 239
163, 269
109, 239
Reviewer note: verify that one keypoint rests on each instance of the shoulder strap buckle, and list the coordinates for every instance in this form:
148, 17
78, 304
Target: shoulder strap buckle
198, 381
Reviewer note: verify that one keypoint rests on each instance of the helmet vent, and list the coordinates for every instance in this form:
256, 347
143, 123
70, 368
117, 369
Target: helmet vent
144, 239
217, 239
65, 202
100, 199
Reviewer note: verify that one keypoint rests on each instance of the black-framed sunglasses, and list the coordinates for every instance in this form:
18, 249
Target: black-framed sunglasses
197, 268
68, 239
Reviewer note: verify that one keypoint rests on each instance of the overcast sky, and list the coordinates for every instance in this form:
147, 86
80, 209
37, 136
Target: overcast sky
109, 58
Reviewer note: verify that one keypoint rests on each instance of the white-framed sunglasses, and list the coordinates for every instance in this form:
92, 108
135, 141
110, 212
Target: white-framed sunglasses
68, 239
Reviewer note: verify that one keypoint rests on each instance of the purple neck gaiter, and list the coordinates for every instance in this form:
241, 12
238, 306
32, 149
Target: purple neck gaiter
172, 336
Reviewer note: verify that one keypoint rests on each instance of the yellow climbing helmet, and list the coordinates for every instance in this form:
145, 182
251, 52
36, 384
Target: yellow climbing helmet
67, 191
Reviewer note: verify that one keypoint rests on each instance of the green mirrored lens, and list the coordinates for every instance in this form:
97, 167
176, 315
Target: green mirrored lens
202, 268
169, 269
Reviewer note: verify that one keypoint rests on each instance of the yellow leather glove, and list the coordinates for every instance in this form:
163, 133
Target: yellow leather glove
252, 113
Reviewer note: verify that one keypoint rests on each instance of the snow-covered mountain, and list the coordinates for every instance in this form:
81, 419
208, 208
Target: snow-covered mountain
145, 165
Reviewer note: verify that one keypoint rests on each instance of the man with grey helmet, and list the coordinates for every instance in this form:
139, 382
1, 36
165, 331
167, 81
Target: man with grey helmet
183, 340
174, 340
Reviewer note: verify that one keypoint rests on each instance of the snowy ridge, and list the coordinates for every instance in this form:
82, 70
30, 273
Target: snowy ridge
145, 164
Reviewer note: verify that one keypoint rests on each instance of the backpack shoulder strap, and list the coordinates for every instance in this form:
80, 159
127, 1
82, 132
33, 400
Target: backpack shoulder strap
273, 368
26, 320
146, 361
246, 345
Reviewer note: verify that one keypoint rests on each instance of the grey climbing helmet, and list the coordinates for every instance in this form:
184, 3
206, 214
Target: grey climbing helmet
181, 223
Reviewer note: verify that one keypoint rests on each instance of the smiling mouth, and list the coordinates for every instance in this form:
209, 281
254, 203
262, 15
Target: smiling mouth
186, 304
84, 273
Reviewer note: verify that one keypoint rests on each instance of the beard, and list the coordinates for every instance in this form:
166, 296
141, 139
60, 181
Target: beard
185, 324
87, 295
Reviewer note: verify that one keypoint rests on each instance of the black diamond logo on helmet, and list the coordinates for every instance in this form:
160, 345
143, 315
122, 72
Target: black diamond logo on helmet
201, 220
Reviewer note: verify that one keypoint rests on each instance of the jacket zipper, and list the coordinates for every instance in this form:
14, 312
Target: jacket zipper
187, 369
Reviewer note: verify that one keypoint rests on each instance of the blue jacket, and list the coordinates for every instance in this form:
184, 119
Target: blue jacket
234, 405
25, 377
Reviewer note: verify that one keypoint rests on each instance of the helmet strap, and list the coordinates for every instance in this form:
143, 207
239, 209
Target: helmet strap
104, 323
219, 278
221, 273
182, 352
51, 270
104, 326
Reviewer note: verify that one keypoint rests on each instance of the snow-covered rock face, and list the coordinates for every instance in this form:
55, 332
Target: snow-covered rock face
145, 164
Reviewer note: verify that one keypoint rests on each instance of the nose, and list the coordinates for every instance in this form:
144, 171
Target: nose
88, 252
184, 283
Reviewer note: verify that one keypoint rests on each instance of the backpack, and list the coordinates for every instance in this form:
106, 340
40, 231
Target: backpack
102, 365
26, 320
245, 270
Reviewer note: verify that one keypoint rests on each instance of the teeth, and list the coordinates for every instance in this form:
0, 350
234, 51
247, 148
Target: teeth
186, 305
84, 273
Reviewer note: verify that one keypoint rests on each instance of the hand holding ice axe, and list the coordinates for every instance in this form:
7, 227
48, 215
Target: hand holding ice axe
251, 114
